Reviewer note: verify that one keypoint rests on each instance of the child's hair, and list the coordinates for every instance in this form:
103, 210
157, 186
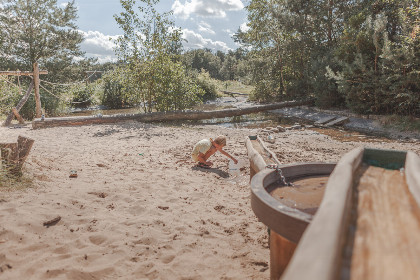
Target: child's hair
220, 140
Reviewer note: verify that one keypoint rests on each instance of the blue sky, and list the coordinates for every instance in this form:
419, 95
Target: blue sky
205, 23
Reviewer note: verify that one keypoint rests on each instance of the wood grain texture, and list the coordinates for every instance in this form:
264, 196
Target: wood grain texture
387, 237
281, 251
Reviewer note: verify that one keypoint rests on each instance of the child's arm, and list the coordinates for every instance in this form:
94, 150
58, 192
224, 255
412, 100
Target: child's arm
229, 156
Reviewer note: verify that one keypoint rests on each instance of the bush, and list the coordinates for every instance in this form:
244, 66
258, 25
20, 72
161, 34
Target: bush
204, 81
112, 96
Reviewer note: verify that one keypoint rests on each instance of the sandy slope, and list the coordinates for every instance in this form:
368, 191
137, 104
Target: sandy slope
139, 209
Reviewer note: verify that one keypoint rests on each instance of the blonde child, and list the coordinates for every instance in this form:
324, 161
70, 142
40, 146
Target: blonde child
206, 148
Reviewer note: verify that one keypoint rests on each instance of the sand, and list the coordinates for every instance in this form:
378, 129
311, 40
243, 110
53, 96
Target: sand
139, 208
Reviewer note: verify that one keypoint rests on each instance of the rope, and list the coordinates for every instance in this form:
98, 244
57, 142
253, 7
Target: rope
66, 100
70, 84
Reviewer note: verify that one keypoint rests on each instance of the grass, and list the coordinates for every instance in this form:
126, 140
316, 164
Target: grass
403, 123
11, 182
233, 86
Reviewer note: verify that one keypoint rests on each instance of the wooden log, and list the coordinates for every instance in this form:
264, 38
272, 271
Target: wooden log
18, 116
20, 105
163, 116
24, 147
14, 155
21, 73
38, 111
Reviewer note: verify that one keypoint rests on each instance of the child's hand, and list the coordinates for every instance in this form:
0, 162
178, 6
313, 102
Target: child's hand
235, 161
209, 163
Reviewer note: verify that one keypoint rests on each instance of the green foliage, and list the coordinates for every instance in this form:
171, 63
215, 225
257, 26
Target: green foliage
113, 95
38, 30
153, 76
205, 82
362, 54
10, 95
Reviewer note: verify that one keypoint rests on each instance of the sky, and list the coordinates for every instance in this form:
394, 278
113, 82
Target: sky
205, 23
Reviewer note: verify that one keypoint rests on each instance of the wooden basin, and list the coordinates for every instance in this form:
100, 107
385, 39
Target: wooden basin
368, 224
285, 210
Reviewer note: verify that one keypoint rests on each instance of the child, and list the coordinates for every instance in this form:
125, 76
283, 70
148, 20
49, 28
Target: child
206, 148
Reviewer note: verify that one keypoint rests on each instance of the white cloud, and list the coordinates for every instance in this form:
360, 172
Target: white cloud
196, 41
205, 27
244, 27
97, 44
206, 8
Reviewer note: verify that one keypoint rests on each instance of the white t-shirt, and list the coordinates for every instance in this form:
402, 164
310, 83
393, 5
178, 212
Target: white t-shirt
202, 146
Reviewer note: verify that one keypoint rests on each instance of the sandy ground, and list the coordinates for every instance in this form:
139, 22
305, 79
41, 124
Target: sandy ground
139, 209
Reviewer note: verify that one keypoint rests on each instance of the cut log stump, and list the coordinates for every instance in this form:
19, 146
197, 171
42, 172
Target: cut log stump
14, 155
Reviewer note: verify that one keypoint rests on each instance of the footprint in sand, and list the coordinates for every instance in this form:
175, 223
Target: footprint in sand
97, 239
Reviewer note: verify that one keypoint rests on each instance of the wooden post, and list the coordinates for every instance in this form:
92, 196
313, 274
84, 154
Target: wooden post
38, 112
18, 116
20, 105
281, 251
13, 155
24, 147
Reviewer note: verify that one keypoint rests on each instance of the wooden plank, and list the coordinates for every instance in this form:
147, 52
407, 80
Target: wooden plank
412, 175
386, 241
17, 115
21, 73
164, 116
325, 120
256, 161
338, 121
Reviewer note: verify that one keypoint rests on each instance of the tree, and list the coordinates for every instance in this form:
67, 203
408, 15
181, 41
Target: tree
379, 54
38, 31
150, 47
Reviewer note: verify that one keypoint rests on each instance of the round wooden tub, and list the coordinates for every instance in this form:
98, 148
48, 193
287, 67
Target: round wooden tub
287, 210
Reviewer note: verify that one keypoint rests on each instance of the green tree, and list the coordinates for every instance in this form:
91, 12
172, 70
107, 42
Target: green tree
38, 31
380, 59
150, 46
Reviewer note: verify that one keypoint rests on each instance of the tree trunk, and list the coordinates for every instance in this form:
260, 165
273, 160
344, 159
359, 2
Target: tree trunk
164, 116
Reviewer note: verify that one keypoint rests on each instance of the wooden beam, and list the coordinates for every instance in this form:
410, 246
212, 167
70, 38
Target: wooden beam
21, 73
18, 116
38, 111
14, 155
20, 105
164, 116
